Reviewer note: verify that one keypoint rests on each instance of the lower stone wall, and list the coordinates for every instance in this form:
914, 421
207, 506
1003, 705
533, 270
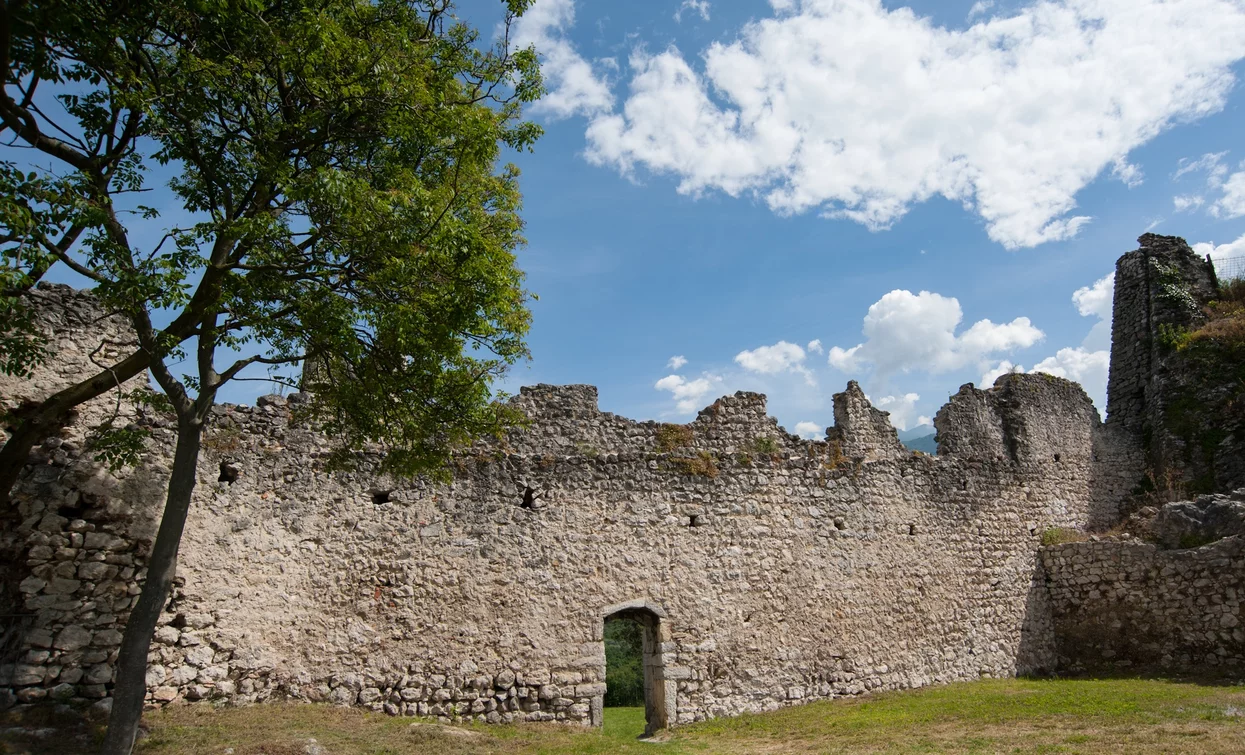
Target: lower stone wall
1133, 606
780, 573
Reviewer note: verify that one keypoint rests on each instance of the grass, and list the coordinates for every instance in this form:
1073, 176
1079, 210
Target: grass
990, 716
1061, 535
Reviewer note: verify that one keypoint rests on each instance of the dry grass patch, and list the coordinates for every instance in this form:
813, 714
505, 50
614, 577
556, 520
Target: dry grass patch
1094, 717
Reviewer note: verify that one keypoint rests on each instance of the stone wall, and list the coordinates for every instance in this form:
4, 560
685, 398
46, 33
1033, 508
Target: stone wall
777, 570
1134, 606
1161, 285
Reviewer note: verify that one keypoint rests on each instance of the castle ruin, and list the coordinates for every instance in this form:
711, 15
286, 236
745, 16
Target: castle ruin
766, 570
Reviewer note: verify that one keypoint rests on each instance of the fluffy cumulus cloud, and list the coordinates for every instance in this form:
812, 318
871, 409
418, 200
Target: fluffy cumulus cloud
1004, 367
689, 395
1221, 251
575, 87
855, 110
1232, 203
810, 430
1089, 368
902, 410
906, 331
677, 362
772, 360
814, 346
1088, 363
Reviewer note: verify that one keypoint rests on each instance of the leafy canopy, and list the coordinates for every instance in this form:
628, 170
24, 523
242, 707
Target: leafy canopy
336, 164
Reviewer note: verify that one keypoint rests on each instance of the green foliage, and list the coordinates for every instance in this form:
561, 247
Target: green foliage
765, 445
338, 189
120, 447
671, 436
1061, 535
22, 346
624, 663
1172, 337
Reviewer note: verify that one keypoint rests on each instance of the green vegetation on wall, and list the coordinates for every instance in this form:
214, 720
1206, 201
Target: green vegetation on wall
1208, 406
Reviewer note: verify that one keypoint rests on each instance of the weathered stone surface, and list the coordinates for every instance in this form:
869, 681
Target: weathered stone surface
1192, 523
771, 570
72, 637
1132, 605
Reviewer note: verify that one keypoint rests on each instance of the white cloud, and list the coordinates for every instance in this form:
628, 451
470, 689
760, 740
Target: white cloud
1002, 368
1184, 202
677, 362
810, 430
847, 108
771, 360
923, 420
1232, 203
1088, 363
902, 409
1220, 251
1211, 163
979, 8
905, 331
1089, 368
700, 6
1095, 300
814, 346
689, 395
1231, 188
1126, 172
574, 87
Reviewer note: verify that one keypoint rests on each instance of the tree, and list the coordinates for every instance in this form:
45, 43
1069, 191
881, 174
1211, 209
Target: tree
339, 160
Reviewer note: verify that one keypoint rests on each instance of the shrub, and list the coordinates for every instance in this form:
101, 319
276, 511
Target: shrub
765, 445
1061, 535
671, 436
701, 465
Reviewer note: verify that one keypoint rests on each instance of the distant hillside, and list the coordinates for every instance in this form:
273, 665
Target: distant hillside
912, 433
919, 438
924, 444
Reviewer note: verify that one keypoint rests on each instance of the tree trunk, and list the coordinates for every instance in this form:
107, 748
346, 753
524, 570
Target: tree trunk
131, 686
49, 415
16, 450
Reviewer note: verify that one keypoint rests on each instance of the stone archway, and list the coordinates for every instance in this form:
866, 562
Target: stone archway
659, 692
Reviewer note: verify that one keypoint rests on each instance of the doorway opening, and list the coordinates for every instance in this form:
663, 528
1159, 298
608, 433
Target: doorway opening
634, 673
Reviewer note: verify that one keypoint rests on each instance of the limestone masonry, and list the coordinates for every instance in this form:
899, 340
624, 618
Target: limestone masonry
768, 570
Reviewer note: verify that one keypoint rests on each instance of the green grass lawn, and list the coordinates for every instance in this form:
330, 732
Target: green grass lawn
992, 716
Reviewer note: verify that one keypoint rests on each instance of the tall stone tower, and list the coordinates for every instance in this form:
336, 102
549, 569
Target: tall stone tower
1163, 284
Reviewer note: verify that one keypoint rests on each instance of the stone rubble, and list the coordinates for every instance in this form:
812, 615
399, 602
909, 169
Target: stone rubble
775, 570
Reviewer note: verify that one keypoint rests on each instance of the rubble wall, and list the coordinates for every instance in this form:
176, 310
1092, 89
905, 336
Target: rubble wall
780, 570
1134, 606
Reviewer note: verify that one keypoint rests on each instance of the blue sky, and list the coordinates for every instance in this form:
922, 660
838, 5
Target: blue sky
662, 223
782, 195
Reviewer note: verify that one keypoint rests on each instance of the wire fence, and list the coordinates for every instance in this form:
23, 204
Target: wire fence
1230, 268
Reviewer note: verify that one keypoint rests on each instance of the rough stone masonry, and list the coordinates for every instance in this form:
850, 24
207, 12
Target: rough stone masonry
768, 570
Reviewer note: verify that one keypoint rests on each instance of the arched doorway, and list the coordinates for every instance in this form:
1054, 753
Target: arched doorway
648, 620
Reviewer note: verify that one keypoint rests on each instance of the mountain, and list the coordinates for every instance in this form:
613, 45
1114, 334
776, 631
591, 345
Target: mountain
924, 444
912, 433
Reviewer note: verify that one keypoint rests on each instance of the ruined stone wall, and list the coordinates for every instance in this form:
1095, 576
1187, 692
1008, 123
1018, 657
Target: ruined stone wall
782, 570
1134, 606
1161, 285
